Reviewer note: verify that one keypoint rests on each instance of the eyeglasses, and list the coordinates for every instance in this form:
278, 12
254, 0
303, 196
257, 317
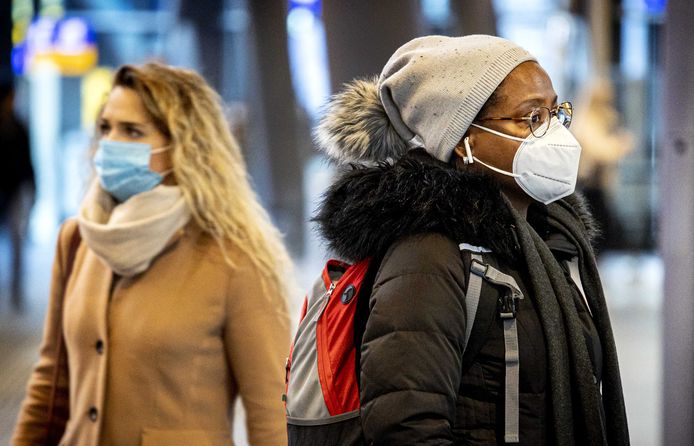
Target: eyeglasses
540, 117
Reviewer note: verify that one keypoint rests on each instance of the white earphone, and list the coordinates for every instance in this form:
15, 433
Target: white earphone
468, 158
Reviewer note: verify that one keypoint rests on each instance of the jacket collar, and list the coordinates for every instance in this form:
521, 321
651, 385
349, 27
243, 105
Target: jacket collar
369, 208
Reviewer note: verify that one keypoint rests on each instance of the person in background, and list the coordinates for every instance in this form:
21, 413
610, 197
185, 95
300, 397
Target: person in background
464, 171
175, 301
605, 143
17, 188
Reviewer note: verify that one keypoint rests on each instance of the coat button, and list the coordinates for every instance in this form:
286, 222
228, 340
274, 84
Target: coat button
99, 346
93, 413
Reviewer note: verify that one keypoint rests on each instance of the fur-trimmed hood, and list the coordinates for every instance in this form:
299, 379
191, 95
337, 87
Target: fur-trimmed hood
369, 208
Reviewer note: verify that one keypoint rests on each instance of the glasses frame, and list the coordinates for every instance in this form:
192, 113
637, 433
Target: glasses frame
565, 106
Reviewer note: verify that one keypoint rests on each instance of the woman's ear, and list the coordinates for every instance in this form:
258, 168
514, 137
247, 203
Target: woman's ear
464, 151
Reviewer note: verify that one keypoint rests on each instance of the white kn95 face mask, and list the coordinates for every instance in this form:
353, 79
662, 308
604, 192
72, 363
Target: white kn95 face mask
546, 168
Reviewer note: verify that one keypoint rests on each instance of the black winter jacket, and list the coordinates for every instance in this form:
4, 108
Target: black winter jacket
417, 386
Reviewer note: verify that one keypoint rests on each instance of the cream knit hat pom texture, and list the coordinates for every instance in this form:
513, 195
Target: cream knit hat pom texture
427, 95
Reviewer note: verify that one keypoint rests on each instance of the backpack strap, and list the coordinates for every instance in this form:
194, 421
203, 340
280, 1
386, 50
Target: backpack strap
472, 296
507, 307
507, 312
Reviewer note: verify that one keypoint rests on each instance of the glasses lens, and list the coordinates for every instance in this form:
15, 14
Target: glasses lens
565, 113
539, 121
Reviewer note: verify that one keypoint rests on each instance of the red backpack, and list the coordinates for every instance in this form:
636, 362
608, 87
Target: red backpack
322, 394
322, 372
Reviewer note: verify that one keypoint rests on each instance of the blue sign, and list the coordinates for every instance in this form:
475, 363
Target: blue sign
312, 5
656, 6
72, 35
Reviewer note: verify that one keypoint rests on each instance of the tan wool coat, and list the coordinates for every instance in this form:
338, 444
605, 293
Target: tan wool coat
159, 358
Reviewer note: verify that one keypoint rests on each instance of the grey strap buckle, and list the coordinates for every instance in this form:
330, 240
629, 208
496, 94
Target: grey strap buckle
479, 268
508, 305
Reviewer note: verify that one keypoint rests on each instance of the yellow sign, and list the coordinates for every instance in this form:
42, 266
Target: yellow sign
95, 87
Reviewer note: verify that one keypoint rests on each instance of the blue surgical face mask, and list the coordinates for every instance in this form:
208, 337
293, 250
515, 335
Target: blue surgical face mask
123, 168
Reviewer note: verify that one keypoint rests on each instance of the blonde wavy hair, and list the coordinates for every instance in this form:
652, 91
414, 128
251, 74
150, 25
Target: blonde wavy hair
208, 165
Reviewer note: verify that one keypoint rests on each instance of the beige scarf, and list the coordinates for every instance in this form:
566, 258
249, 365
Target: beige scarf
128, 236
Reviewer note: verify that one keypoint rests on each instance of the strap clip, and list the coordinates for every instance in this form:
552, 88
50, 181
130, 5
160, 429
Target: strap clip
507, 306
479, 268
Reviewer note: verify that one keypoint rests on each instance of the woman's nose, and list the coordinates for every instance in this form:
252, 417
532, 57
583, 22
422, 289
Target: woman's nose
111, 135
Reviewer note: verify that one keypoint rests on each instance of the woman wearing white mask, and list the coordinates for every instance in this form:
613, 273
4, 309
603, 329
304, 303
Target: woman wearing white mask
168, 298
487, 323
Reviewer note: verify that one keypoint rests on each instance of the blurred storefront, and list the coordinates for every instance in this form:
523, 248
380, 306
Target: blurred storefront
274, 62
277, 59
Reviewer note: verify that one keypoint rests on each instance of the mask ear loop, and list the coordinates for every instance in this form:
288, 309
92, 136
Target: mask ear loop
167, 172
469, 159
159, 150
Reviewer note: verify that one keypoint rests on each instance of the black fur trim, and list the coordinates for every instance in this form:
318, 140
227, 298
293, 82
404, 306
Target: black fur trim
368, 209
580, 207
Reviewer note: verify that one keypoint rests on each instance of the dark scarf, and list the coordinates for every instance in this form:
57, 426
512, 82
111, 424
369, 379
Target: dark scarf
570, 368
368, 209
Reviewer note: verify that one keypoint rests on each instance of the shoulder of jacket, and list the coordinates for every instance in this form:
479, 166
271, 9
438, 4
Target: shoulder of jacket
227, 257
428, 253
67, 229
69, 237
430, 243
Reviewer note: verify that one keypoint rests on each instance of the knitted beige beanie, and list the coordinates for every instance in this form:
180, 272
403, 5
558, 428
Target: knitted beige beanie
427, 96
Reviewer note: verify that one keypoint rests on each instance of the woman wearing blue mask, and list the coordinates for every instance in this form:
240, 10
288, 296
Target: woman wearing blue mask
168, 298
487, 322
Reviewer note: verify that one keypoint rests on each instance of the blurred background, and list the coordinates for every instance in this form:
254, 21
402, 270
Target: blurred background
274, 62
